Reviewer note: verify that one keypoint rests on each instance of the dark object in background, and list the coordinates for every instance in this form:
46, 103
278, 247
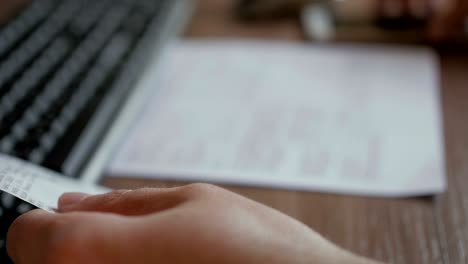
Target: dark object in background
351, 20
269, 9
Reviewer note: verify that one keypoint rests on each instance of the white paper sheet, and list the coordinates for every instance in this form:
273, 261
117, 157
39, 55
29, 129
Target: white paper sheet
37, 186
347, 119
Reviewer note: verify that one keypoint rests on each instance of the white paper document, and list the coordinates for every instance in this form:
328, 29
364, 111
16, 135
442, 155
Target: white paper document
361, 120
37, 186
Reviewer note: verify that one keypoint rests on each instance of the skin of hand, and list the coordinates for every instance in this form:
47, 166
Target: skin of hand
192, 224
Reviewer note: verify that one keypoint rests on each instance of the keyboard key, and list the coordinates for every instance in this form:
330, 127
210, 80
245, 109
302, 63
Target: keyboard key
24, 208
6, 144
19, 131
7, 200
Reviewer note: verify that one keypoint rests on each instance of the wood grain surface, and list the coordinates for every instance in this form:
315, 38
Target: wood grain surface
422, 230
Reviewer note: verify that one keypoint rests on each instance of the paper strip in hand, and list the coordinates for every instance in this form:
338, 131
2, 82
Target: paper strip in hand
38, 186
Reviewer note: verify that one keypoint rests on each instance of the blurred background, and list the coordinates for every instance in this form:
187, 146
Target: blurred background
440, 23
68, 67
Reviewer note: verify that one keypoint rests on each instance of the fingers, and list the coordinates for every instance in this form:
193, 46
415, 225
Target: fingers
23, 237
124, 202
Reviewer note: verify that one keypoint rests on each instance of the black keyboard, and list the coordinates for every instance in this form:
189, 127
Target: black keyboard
63, 65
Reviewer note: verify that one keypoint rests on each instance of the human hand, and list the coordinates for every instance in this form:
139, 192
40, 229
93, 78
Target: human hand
192, 224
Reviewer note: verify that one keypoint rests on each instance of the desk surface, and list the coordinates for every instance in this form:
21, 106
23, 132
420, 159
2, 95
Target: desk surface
425, 230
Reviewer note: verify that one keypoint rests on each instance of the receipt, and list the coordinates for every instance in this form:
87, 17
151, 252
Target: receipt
38, 186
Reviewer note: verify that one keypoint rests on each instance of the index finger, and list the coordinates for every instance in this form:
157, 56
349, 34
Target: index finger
27, 236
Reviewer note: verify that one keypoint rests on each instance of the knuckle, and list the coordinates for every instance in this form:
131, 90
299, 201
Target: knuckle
114, 195
133, 201
105, 200
199, 190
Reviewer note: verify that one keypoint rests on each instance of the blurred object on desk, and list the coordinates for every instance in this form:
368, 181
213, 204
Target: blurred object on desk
217, 19
394, 21
269, 9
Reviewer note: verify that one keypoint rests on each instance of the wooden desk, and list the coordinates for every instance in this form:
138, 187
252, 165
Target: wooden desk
426, 230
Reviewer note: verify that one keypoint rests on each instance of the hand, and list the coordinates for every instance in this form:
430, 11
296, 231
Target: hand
191, 224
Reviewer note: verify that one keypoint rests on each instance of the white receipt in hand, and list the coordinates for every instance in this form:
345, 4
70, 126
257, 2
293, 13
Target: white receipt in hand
37, 186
